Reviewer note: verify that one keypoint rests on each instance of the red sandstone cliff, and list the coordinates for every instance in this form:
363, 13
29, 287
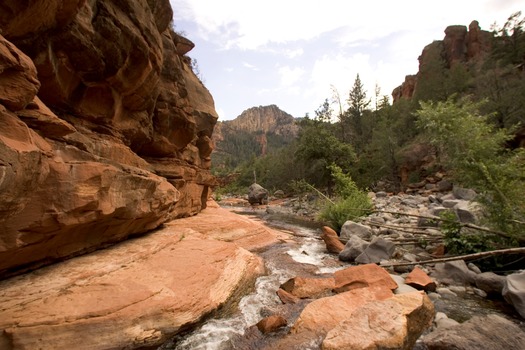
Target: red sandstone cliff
105, 132
458, 46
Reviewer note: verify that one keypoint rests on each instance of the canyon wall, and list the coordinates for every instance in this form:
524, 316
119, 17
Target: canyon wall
105, 131
459, 46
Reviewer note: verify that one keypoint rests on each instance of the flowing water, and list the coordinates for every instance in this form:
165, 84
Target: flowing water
305, 255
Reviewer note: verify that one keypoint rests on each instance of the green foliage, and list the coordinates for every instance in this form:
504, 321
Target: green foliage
357, 106
458, 242
350, 204
475, 151
509, 41
317, 148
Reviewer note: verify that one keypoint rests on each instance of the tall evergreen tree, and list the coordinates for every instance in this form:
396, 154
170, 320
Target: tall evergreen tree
357, 104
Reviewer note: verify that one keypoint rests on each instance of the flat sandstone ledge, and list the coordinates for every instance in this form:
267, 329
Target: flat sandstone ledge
137, 293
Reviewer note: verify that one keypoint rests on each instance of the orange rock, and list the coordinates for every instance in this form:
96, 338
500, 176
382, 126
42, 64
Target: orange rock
322, 315
18, 77
133, 295
287, 298
420, 280
223, 225
133, 149
305, 287
330, 238
271, 324
362, 276
394, 323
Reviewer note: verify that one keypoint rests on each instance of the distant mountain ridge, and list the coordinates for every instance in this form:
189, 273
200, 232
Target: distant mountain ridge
254, 132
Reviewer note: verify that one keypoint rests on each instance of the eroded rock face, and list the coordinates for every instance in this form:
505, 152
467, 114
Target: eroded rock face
458, 46
105, 132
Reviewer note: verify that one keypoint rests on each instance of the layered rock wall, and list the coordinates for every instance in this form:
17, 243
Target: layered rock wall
458, 46
105, 132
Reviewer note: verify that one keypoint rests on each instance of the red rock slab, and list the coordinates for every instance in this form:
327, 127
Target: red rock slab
223, 225
420, 280
135, 294
362, 276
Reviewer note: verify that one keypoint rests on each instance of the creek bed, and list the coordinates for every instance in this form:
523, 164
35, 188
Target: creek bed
304, 255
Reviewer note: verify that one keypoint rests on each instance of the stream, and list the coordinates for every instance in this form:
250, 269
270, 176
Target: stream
305, 255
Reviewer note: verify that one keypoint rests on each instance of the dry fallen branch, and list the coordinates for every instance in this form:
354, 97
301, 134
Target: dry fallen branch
475, 256
521, 240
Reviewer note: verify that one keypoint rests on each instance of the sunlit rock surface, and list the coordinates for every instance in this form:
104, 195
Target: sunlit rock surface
105, 131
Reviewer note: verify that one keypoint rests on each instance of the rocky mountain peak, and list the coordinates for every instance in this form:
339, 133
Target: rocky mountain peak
265, 119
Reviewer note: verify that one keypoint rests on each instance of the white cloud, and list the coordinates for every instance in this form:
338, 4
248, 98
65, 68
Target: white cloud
250, 66
293, 53
290, 76
251, 25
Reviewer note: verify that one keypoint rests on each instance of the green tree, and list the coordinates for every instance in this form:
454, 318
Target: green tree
509, 41
357, 105
324, 112
474, 151
317, 148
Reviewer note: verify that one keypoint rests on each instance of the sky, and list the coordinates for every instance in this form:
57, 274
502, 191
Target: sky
293, 53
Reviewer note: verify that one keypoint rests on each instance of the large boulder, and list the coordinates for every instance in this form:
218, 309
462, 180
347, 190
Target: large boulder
18, 77
480, 332
454, 272
490, 283
322, 315
354, 247
257, 194
514, 291
379, 249
394, 323
351, 228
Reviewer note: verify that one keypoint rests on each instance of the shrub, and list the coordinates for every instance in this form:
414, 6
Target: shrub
350, 203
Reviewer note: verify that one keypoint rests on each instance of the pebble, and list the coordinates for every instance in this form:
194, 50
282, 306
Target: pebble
446, 292
458, 289
480, 293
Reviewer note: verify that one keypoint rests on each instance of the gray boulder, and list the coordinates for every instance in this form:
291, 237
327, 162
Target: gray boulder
464, 193
466, 211
480, 332
379, 249
351, 228
353, 248
514, 291
454, 272
490, 283
279, 194
257, 194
